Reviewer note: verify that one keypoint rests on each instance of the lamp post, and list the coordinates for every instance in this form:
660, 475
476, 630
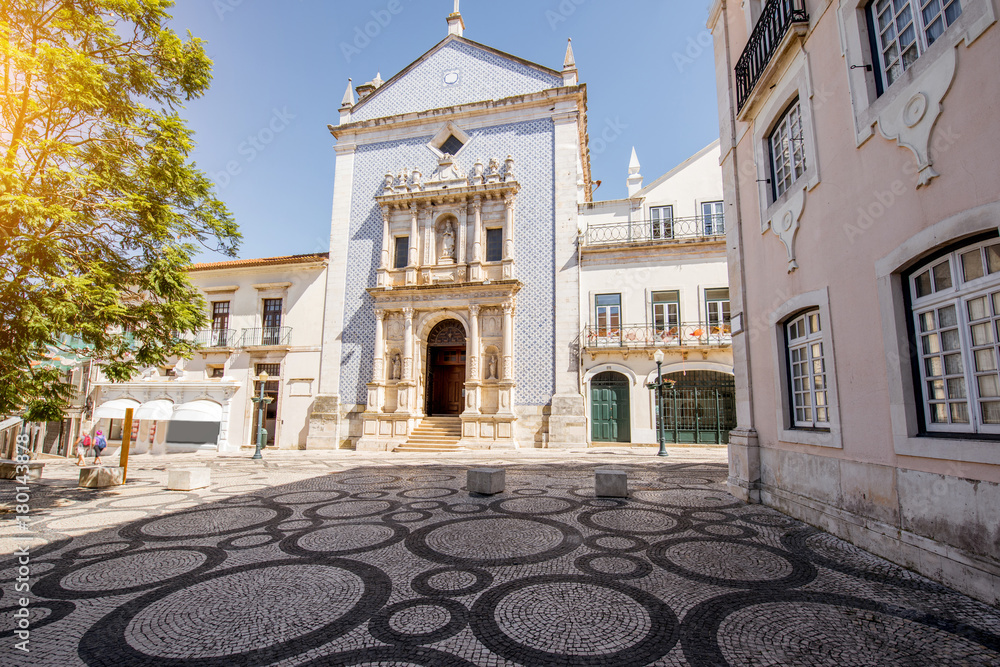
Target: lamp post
261, 402
658, 386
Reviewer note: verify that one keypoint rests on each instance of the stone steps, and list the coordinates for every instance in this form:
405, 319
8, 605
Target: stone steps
435, 434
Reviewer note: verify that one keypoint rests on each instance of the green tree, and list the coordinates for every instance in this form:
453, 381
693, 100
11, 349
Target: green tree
101, 210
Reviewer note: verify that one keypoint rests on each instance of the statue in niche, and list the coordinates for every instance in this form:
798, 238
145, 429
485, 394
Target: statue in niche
492, 368
395, 368
448, 246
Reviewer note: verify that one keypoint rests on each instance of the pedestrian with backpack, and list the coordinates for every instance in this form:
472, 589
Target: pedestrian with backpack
82, 445
99, 444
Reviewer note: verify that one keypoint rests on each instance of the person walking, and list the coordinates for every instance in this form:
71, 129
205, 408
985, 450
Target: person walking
82, 444
99, 444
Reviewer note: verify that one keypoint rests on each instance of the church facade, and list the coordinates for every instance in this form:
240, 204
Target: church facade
453, 294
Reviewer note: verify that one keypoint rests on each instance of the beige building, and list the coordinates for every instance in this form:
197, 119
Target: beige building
859, 150
653, 277
266, 317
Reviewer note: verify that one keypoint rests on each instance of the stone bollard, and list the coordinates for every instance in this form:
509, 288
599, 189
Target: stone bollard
99, 477
9, 469
487, 481
188, 479
610, 484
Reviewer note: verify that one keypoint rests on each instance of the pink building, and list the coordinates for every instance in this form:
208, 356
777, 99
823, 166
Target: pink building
861, 160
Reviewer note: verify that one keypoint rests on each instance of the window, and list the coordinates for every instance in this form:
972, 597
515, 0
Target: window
717, 308
661, 222
220, 324
807, 370
903, 29
713, 218
494, 245
273, 370
788, 155
956, 318
609, 314
452, 145
216, 372
272, 322
666, 313
402, 252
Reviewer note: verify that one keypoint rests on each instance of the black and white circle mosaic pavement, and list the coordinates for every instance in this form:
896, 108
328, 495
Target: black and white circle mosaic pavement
394, 565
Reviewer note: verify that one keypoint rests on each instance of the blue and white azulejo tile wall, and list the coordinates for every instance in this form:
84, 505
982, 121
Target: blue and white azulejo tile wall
532, 146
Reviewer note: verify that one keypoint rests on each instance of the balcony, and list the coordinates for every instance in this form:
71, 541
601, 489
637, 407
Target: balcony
208, 339
774, 23
267, 337
642, 336
676, 230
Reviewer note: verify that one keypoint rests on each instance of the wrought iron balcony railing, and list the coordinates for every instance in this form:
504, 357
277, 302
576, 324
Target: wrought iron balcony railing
656, 231
209, 338
775, 20
267, 336
654, 335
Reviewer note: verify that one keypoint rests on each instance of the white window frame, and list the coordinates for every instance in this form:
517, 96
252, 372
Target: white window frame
607, 330
661, 222
958, 390
711, 213
669, 312
887, 34
718, 312
787, 142
866, 102
907, 437
807, 365
829, 435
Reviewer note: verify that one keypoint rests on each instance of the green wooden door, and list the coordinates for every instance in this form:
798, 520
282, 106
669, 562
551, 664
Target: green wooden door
609, 408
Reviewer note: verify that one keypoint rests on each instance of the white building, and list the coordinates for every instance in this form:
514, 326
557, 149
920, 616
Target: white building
653, 276
453, 290
266, 316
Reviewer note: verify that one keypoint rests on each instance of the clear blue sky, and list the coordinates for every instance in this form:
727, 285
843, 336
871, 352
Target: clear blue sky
284, 65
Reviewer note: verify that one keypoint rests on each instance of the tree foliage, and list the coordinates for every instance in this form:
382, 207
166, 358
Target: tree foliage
101, 210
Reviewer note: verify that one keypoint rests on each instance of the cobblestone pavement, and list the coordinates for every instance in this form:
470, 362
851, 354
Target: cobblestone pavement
346, 559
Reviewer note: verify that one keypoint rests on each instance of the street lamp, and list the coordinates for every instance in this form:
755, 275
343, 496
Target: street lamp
261, 402
658, 386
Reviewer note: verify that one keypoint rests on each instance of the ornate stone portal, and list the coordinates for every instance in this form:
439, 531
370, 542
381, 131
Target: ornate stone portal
449, 287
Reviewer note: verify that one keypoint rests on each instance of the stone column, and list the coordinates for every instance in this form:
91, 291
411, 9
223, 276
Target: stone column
385, 261
411, 268
508, 341
378, 367
462, 241
408, 344
508, 243
472, 376
430, 239
477, 238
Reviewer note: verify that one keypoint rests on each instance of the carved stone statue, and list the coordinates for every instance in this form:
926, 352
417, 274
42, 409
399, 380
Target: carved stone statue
390, 182
493, 171
395, 367
415, 179
449, 242
477, 173
492, 368
508, 171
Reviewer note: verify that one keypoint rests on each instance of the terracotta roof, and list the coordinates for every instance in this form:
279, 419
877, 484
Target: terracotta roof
264, 261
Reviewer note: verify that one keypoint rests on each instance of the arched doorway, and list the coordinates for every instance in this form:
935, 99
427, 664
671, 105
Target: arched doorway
446, 359
609, 408
700, 407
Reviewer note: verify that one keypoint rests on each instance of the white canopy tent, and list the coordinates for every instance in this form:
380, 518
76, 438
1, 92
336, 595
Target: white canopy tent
114, 409
198, 411
161, 409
